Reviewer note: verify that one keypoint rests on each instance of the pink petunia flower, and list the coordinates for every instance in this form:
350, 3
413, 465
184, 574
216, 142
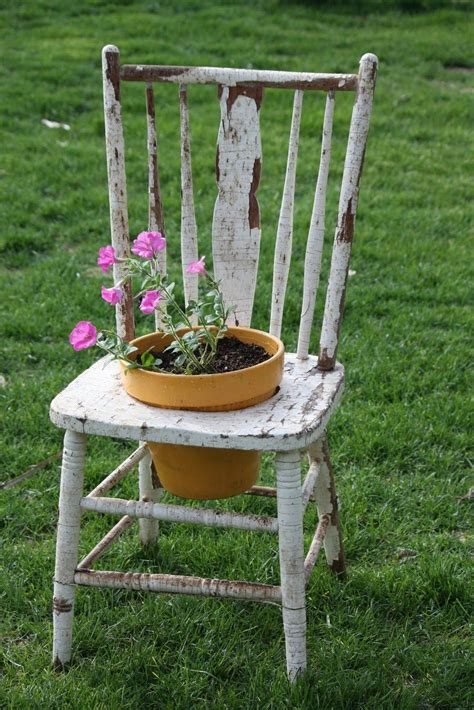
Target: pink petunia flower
112, 295
148, 244
197, 267
106, 258
83, 336
150, 301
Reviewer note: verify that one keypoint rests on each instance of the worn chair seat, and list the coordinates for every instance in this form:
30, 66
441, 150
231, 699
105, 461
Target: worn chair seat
96, 403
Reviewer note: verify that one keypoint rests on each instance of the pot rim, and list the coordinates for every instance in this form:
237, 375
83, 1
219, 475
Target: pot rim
174, 377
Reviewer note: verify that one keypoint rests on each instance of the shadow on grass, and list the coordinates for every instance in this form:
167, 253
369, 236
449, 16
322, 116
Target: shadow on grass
383, 6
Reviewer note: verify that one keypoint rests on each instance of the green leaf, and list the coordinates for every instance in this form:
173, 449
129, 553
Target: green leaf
147, 360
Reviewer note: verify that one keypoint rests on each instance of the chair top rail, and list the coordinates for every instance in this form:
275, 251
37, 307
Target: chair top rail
238, 77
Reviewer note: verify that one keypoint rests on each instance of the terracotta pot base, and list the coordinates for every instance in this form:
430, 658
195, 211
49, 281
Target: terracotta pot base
202, 473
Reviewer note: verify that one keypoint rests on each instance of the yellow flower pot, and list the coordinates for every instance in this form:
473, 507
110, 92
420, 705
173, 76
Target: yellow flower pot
199, 472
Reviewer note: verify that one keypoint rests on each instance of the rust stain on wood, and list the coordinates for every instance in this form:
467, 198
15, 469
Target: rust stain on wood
324, 361
254, 208
218, 171
346, 230
112, 72
58, 665
252, 92
61, 606
247, 79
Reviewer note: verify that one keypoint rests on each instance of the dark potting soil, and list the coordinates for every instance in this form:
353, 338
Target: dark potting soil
232, 354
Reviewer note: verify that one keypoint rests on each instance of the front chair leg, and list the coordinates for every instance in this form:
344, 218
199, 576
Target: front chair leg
326, 502
72, 479
290, 535
149, 488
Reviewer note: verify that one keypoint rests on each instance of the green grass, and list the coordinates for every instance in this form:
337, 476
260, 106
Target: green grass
396, 633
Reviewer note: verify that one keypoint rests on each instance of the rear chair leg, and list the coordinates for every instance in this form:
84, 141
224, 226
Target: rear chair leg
290, 533
326, 502
72, 479
149, 488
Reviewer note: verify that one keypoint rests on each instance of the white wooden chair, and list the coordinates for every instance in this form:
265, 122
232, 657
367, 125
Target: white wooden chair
291, 422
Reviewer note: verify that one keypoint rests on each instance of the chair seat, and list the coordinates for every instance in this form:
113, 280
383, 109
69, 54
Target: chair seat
96, 403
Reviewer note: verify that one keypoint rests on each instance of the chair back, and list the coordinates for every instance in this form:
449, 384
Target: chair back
236, 223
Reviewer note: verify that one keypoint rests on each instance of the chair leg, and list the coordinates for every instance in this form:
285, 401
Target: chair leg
149, 488
72, 479
326, 502
290, 533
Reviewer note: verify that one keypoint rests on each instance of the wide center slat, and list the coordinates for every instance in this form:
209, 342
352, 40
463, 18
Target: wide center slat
236, 223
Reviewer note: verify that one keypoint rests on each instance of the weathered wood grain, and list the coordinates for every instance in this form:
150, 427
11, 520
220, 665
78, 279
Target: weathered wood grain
179, 584
348, 199
102, 546
115, 150
290, 537
72, 479
326, 503
120, 472
236, 222
181, 514
315, 547
236, 77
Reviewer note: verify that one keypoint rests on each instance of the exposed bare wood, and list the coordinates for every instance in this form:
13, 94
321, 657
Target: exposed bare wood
117, 185
236, 77
181, 514
236, 224
151, 490
120, 472
314, 246
266, 491
189, 245
178, 584
156, 222
290, 537
348, 199
72, 478
30, 471
284, 240
315, 546
106, 541
326, 502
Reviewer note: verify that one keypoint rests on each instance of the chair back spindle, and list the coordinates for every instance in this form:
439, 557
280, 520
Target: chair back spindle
115, 150
156, 220
314, 246
284, 238
189, 244
348, 199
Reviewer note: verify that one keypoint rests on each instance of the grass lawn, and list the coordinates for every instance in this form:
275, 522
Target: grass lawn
396, 633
